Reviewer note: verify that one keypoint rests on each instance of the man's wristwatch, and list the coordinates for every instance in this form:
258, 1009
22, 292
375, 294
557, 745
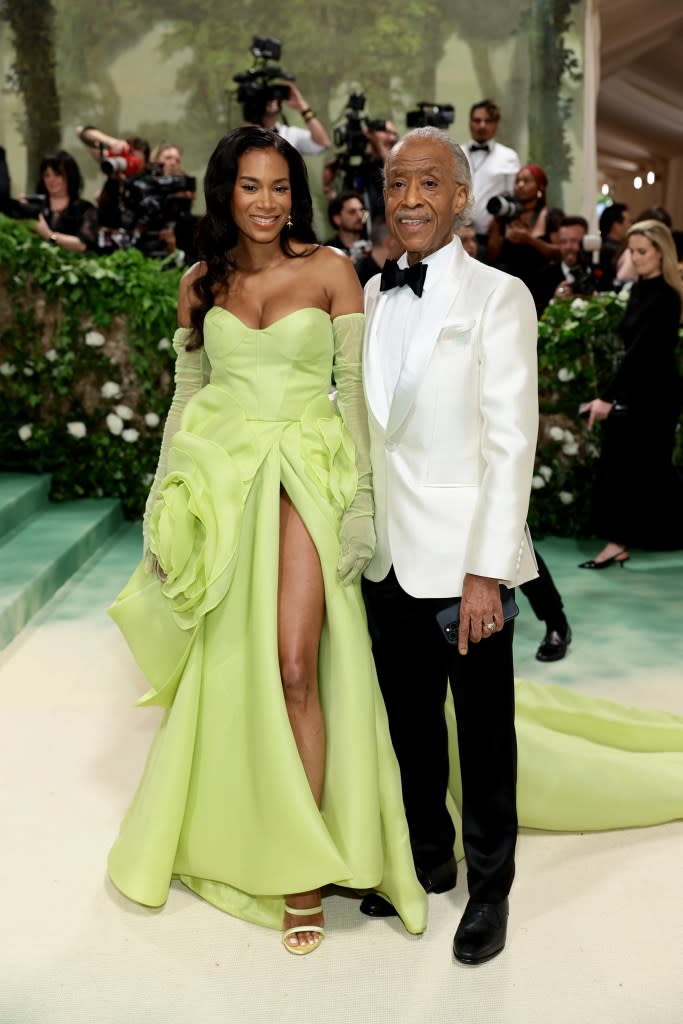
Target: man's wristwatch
308, 114
52, 238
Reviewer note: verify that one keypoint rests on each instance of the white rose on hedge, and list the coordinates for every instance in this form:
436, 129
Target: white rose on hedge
565, 375
77, 429
28, 371
151, 419
51, 355
537, 482
571, 448
568, 437
546, 472
115, 423
130, 435
26, 432
556, 434
579, 306
566, 497
124, 412
6, 369
110, 389
164, 344
95, 339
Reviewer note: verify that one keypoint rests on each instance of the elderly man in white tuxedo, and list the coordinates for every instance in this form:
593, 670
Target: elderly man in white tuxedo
450, 378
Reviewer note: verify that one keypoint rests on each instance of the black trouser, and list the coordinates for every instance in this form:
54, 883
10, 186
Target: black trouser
414, 662
544, 597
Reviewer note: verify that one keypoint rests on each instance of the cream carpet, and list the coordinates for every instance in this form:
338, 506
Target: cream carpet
596, 932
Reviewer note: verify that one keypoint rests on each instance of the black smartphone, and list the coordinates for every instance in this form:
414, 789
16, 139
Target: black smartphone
449, 618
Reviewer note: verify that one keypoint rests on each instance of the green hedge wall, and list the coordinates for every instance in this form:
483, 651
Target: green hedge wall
86, 369
86, 365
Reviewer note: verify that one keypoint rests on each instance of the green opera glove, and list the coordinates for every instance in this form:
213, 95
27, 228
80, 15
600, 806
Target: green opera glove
189, 370
357, 530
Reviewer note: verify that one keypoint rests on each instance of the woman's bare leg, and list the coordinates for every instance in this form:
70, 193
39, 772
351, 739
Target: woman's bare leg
301, 609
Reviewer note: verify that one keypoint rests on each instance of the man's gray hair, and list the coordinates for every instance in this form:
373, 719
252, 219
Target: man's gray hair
463, 174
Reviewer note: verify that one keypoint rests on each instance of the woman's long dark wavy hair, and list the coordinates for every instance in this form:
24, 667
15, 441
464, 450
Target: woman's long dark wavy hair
217, 233
62, 163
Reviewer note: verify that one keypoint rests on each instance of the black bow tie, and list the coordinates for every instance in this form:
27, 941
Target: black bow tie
394, 277
474, 148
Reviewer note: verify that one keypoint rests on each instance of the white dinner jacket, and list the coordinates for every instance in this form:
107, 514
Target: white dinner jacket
453, 458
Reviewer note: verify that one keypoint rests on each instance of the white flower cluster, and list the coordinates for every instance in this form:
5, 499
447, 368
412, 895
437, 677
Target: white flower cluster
7, 370
564, 374
110, 389
94, 339
164, 344
77, 429
579, 307
26, 432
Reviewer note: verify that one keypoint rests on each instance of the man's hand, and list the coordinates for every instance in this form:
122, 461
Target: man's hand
480, 607
295, 99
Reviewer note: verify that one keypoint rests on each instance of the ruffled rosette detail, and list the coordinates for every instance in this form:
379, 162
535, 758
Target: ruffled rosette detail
329, 454
195, 525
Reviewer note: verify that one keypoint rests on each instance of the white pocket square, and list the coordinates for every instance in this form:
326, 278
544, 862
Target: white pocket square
454, 329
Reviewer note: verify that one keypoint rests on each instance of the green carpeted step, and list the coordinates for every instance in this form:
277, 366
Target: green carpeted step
88, 593
21, 494
36, 559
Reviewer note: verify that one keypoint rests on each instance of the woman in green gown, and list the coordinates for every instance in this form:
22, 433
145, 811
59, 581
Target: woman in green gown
272, 773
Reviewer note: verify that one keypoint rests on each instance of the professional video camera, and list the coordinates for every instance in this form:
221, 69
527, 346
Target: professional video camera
255, 85
352, 160
504, 206
149, 203
436, 115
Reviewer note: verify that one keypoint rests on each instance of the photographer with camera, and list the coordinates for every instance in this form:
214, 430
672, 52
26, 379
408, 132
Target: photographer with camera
61, 217
179, 231
261, 97
518, 233
121, 160
138, 206
572, 274
493, 165
362, 145
347, 214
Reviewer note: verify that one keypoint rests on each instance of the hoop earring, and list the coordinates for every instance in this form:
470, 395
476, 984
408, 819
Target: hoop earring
290, 222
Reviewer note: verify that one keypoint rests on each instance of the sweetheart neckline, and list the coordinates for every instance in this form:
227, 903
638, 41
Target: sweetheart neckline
303, 309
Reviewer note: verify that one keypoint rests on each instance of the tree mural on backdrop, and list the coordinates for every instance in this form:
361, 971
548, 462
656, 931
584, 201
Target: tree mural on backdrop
32, 24
390, 52
380, 51
89, 39
551, 62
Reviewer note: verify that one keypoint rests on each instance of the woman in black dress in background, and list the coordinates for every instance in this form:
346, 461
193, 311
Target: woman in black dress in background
638, 497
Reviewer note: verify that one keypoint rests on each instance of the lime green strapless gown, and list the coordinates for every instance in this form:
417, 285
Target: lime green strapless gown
224, 803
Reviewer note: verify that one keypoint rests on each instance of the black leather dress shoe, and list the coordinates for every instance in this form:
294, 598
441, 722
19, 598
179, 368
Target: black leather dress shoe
554, 645
441, 878
481, 933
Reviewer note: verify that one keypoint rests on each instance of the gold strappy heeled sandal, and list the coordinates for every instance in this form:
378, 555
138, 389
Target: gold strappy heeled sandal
305, 912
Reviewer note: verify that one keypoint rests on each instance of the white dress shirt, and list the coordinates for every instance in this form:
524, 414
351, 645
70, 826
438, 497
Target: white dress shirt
300, 138
493, 172
400, 319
